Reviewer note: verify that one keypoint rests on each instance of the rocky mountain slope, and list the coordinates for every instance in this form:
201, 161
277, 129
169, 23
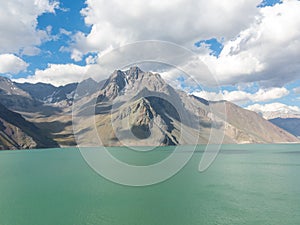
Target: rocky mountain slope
17, 133
281, 115
15, 98
245, 126
131, 107
291, 125
48, 93
140, 108
48, 107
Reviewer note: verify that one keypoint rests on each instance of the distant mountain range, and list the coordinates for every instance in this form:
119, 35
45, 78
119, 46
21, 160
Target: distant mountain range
282, 116
291, 125
132, 107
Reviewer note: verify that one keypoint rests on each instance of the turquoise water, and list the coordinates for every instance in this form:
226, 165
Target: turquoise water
247, 184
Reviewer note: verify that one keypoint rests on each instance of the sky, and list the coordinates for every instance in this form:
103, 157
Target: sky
251, 47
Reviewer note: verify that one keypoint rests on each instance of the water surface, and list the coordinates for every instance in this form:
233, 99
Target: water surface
247, 184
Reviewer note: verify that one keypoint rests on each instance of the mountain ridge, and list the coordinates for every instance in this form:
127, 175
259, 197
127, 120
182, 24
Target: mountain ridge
290, 124
120, 93
134, 107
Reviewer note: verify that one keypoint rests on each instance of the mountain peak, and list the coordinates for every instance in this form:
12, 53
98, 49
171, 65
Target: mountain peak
136, 69
8, 87
133, 72
132, 81
89, 80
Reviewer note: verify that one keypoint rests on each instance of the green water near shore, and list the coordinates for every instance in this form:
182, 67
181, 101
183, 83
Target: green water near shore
247, 184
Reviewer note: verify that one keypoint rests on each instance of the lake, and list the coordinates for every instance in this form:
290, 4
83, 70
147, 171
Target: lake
247, 184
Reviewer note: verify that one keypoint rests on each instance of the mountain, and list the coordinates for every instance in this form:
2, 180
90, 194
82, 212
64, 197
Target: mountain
245, 126
49, 94
41, 118
291, 125
140, 108
275, 110
39, 91
15, 98
54, 116
281, 115
131, 107
18, 133
7, 87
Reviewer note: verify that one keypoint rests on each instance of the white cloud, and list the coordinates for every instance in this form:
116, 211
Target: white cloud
56, 74
65, 32
262, 95
31, 51
62, 74
91, 59
9, 63
260, 44
257, 41
297, 90
184, 22
267, 51
18, 22
269, 94
274, 110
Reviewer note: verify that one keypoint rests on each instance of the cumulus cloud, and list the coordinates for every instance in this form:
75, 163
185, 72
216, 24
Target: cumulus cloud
184, 22
260, 44
65, 32
31, 51
62, 74
267, 51
11, 64
56, 74
18, 25
242, 97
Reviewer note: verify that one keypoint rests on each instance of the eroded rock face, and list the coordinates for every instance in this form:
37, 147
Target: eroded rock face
141, 119
18, 133
244, 126
133, 107
291, 125
151, 111
137, 123
12, 137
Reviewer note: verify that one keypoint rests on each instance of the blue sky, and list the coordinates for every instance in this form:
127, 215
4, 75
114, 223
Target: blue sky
67, 18
69, 35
